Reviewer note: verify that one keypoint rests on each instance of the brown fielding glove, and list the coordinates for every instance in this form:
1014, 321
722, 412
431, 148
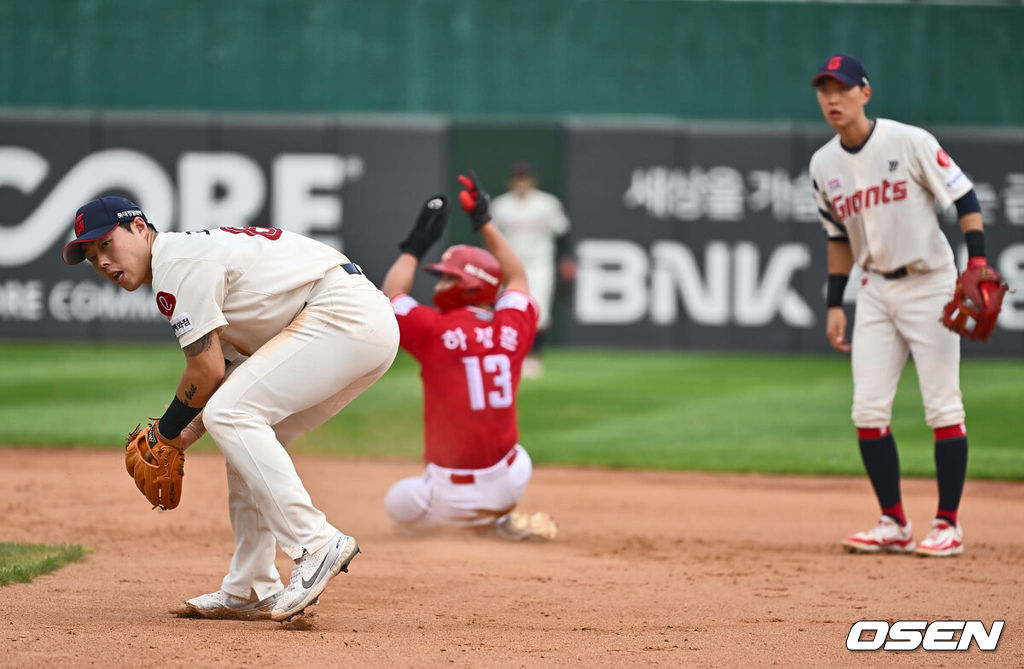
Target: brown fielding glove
975, 306
157, 467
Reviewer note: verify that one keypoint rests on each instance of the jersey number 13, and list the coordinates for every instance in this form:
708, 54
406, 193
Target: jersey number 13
499, 369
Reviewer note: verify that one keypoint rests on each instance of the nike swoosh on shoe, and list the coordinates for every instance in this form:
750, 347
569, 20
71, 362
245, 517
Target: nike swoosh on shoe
312, 579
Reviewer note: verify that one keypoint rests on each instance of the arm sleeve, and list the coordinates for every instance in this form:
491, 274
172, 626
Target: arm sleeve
563, 246
968, 204
515, 319
936, 171
415, 323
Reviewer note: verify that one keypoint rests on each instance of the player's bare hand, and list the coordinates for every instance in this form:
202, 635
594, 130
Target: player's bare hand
192, 432
835, 329
567, 269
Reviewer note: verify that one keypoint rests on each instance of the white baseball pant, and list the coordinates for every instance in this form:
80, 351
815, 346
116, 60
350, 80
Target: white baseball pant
336, 347
896, 317
459, 497
540, 277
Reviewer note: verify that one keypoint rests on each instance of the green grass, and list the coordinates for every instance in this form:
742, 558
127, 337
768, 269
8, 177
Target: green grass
741, 412
20, 563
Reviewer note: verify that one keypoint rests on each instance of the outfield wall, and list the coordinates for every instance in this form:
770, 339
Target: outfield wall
929, 63
687, 235
707, 235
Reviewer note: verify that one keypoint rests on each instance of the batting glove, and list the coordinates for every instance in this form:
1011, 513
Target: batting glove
475, 200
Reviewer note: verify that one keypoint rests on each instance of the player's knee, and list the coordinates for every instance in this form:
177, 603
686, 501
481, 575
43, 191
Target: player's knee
219, 417
403, 503
867, 415
939, 418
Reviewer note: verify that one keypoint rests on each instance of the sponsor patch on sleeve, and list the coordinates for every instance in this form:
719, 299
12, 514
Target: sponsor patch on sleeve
181, 324
943, 158
404, 304
955, 180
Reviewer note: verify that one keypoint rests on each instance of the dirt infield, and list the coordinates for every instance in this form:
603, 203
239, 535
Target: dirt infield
651, 569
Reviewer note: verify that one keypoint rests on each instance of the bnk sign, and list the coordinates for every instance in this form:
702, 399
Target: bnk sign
911, 634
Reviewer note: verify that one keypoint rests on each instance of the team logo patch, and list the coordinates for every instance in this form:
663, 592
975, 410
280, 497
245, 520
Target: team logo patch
181, 324
165, 303
834, 184
943, 158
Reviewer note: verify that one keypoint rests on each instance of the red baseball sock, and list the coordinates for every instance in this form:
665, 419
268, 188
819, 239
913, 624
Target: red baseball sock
896, 512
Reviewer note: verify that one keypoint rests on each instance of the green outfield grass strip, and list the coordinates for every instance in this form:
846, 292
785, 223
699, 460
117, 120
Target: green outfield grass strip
684, 410
22, 563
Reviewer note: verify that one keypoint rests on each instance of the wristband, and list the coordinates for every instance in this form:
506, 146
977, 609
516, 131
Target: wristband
176, 418
835, 290
562, 248
975, 244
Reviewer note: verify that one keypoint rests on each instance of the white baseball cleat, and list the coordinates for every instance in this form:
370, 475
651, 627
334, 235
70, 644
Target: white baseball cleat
519, 526
311, 573
225, 606
943, 540
887, 536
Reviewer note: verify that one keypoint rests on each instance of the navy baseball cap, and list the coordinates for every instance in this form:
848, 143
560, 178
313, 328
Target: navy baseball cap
845, 69
97, 219
521, 169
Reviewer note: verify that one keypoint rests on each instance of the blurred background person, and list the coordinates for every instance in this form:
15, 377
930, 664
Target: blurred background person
537, 228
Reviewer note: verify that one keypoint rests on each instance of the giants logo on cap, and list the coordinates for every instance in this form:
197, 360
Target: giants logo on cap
79, 225
835, 62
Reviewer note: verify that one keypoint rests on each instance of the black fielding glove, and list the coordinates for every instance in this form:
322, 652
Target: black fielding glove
428, 228
475, 200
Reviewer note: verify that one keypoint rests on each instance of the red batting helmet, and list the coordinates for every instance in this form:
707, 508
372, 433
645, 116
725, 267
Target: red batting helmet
479, 276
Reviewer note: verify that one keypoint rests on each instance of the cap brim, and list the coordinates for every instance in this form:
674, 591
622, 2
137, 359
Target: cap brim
73, 253
833, 75
438, 269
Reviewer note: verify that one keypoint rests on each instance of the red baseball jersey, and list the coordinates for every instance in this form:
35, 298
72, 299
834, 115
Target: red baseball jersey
471, 361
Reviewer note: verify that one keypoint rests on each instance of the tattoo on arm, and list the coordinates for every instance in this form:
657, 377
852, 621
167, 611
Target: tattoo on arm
190, 393
199, 346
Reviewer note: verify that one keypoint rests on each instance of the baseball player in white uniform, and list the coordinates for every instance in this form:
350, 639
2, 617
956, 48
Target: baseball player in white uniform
537, 228
302, 332
876, 183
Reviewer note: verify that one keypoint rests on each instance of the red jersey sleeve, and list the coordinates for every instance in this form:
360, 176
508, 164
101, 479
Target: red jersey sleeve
515, 322
415, 324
